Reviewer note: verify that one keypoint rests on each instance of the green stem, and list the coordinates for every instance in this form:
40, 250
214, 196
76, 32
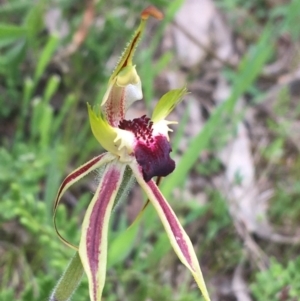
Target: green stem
69, 281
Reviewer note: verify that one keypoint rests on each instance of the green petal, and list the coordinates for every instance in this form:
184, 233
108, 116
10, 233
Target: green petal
116, 141
167, 103
93, 242
102, 131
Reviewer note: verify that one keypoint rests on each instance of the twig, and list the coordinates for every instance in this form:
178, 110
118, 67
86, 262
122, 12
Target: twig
269, 72
80, 34
208, 50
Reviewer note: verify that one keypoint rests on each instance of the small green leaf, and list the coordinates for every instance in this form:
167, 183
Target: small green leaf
64, 110
15, 54
45, 57
34, 21
51, 88
45, 122
28, 87
14, 6
12, 31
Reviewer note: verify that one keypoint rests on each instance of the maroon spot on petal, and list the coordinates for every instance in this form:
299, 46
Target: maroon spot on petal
151, 152
115, 106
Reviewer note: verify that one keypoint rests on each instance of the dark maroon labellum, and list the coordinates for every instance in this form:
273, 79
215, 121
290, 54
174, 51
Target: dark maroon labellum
152, 152
155, 159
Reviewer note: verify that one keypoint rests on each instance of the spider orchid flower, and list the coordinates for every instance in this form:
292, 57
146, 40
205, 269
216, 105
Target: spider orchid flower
143, 146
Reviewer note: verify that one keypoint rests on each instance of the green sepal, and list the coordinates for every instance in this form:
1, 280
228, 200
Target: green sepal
103, 132
128, 53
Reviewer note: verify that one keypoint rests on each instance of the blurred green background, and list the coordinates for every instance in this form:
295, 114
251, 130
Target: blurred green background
46, 80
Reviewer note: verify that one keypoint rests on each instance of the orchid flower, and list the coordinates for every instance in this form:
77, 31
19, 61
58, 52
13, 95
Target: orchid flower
143, 146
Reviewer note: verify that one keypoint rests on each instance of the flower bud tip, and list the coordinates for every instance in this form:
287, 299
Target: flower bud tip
152, 11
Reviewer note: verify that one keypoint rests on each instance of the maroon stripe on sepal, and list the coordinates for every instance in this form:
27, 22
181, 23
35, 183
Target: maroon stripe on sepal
109, 185
84, 168
172, 220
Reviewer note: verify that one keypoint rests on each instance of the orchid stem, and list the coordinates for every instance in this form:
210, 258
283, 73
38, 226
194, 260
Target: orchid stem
69, 281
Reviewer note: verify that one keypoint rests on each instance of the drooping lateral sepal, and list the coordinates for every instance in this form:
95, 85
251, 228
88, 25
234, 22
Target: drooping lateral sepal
179, 240
74, 177
93, 242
